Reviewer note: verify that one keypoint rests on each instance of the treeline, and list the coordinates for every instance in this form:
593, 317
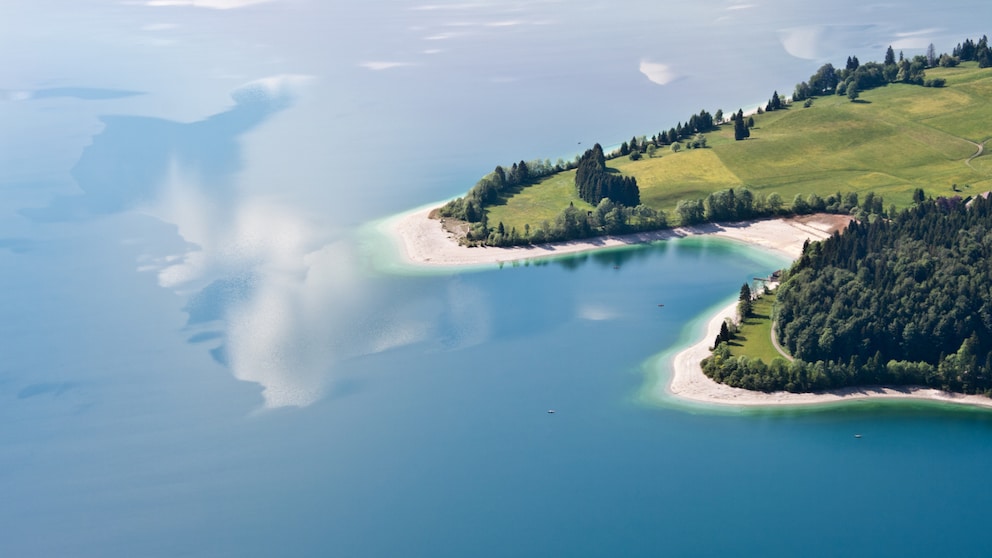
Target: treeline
741, 204
697, 124
856, 77
499, 183
607, 218
593, 182
504, 182
732, 204
903, 301
971, 51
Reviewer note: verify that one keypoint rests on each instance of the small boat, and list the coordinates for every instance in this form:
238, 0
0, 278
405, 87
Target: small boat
661, 306
551, 411
857, 435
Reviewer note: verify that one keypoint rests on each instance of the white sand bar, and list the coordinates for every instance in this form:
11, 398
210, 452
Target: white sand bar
423, 241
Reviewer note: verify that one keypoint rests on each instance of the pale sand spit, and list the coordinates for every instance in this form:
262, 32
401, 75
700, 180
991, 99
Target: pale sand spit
423, 241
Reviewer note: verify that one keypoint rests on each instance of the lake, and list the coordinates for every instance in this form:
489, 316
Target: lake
206, 350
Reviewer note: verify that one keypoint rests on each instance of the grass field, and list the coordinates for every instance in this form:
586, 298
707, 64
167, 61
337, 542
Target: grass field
893, 140
754, 337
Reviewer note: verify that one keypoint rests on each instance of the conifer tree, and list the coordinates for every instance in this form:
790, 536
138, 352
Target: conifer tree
890, 56
744, 304
740, 128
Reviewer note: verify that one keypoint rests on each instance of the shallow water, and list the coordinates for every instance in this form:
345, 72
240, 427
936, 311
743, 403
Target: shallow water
206, 352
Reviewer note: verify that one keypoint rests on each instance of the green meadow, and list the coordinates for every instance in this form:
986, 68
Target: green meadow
754, 336
890, 141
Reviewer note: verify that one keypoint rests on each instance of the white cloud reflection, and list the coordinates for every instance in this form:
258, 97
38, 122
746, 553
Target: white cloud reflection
448, 7
814, 42
212, 4
596, 312
159, 27
303, 304
275, 336
662, 74
378, 65
914, 39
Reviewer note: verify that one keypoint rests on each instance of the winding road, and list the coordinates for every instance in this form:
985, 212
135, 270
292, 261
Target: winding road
980, 149
778, 347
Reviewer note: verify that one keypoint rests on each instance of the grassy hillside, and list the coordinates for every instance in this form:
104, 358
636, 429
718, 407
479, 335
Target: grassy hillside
893, 140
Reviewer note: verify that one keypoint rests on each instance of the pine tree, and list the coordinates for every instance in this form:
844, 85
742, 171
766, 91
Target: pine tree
890, 56
745, 305
740, 128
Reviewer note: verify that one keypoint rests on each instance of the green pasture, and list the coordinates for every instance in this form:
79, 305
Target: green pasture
754, 338
538, 203
893, 140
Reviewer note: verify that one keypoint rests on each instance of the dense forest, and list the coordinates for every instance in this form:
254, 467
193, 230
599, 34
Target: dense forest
617, 198
594, 182
906, 301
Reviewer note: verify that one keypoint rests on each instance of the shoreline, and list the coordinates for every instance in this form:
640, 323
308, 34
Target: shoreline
688, 382
422, 242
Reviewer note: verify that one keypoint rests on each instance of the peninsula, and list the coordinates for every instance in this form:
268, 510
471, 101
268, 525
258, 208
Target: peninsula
873, 130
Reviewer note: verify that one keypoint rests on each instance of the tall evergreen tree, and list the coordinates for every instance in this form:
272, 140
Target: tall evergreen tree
744, 303
740, 127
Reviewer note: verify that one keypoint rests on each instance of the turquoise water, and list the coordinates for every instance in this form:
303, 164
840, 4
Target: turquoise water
205, 351
443, 447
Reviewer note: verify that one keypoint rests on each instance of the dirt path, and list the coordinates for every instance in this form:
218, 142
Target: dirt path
778, 347
980, 149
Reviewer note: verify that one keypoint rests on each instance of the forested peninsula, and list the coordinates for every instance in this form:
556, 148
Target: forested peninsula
906, 301
902, 297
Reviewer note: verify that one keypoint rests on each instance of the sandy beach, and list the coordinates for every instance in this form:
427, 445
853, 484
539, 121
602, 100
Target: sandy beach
423, 241
689, 382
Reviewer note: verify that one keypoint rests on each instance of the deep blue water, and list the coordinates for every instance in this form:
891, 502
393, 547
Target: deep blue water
205, 351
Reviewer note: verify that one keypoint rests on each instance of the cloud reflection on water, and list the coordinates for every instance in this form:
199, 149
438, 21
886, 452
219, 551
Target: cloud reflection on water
271, 293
